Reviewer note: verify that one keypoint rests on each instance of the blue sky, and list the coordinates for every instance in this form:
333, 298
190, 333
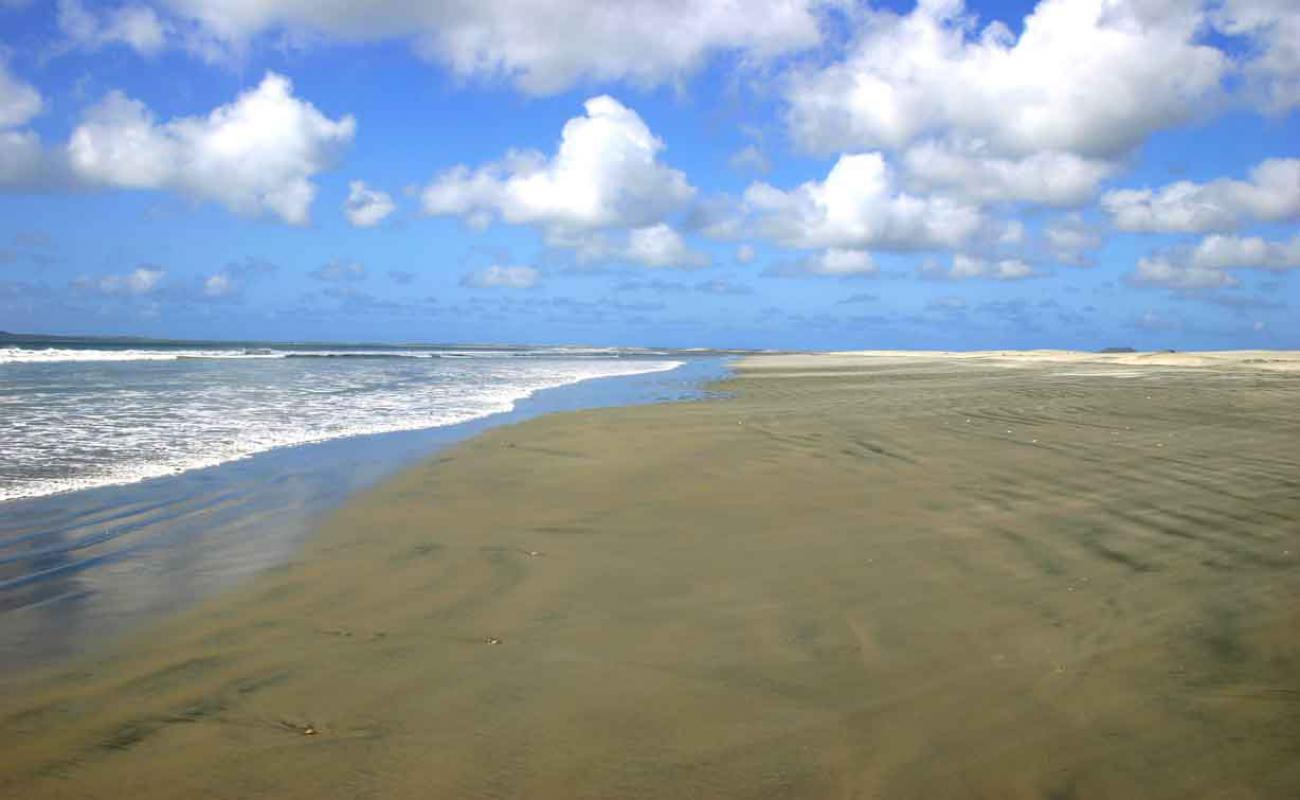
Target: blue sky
1067, 173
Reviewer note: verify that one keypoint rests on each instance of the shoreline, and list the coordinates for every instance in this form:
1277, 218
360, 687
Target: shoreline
162, 472
855, 576
165, 543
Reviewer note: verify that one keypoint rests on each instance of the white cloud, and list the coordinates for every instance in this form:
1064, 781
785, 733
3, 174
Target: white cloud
1272, 68
605, 174
541, 47
1012, 233
965, 267
339, 271
231, 280
1070, 238
139, 281
255, 155
1207, 265
367, 207
834, 262
661, 246
858, 206
1088, 77
745, 253
841, 262
717, 216
218, 285
1162, 270
1272, 194
501, 277
136, 26
1234, 252
19, 101
750, 158
22, 159
1049, 177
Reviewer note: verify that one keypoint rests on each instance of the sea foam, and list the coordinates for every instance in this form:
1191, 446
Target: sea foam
74, 419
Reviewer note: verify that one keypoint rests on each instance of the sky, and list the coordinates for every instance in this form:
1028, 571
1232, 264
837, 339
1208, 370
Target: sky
687, 173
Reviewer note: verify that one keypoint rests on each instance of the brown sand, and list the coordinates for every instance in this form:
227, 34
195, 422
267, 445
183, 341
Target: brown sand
862, 576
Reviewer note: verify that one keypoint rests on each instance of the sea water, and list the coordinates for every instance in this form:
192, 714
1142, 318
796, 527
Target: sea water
77, 417
139, 479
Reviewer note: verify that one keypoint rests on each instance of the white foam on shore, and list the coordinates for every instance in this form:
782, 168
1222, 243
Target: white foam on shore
56, 439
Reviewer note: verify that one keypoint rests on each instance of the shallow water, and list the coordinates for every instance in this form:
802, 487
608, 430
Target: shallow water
77, 568
78, 417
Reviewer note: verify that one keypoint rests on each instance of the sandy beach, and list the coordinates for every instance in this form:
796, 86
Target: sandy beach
855, 575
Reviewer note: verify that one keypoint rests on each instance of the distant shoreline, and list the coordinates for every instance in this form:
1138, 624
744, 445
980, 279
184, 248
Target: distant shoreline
28, 339
1275, 360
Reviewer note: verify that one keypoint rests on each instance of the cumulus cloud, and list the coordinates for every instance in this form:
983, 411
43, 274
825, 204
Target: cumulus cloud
1271, 194
541, 47
136, 26
1165, 271
231, 280
22, 159
1272, 68
858, 205
1208, 264
605, 177
1249, 252
140, 281
501, 277
24, 163
1052, 178
256, 155
965, 267
717, 216
661, 246
605, 174
339, 271
1089, 77
19, 101
1070, 239
834, 262
656, 246
366, 207
1012, 233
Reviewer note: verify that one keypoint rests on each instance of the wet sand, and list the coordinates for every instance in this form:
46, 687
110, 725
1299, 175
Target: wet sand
861, 575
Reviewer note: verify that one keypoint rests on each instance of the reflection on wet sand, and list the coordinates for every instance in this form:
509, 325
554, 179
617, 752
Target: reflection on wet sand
78, 569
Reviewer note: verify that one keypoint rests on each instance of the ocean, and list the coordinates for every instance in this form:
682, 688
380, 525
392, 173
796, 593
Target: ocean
136, 478
98, 415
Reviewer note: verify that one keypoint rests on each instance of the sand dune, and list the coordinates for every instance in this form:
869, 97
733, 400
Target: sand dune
858, 575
